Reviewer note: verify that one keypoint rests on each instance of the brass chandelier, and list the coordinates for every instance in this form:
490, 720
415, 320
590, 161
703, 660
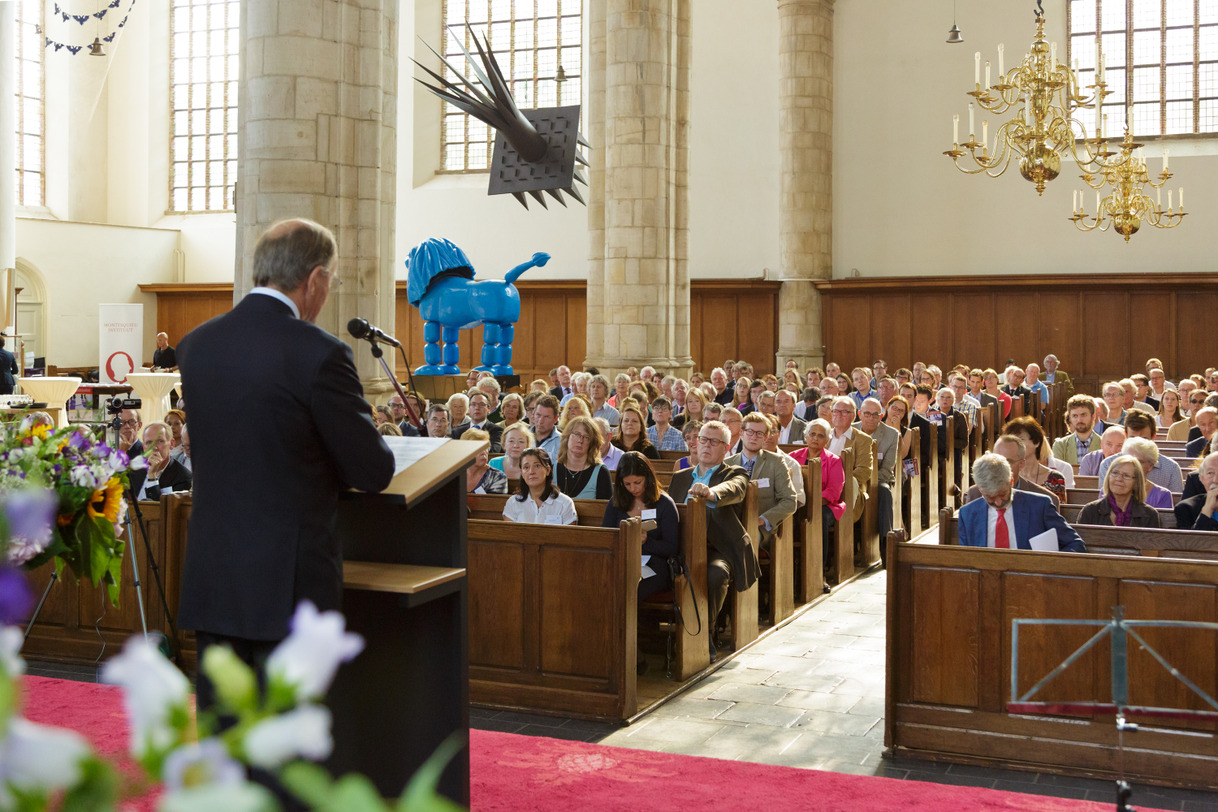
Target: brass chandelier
1127, 204
1045, 130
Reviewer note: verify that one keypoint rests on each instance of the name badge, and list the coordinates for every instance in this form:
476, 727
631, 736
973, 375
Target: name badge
764, 482
879, 456
650, 513
480, 489
553, 520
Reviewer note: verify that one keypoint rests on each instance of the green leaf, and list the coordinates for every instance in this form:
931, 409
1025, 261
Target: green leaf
308, 782
212, 797
355, 793
94, 552
97, 790
234, 681
420, 794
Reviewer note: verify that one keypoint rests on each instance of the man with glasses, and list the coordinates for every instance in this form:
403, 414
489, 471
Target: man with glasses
887, 439
776, 499
731, 557
734, 421
1006, 518
1200, 512
1015, 452
129, 426
1185, 430
1207, 424
479, 409
841, 417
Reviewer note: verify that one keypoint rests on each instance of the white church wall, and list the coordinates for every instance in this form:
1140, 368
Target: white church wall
902, 209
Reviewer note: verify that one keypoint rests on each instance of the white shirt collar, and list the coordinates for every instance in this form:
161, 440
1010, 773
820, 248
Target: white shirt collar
281, 296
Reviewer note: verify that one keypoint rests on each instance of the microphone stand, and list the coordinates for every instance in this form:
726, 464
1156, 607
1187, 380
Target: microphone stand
379, 354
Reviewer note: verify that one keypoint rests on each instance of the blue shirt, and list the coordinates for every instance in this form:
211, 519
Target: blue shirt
671, 441
703, 479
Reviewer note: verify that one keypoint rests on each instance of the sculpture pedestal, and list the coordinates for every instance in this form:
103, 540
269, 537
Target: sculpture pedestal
54, 392
153, 388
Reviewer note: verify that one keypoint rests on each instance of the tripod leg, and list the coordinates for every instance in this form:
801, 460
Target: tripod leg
41, 601
139, 594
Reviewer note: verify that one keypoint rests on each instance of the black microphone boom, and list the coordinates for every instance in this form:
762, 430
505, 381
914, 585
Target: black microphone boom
360, 328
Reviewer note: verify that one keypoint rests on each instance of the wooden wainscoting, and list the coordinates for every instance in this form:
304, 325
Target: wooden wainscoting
731, 318
1100, 326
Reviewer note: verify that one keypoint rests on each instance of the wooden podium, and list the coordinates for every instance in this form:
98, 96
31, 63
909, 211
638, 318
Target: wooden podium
404, 580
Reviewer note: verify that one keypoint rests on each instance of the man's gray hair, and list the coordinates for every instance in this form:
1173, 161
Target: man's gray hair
992, 473
1145, 450
1018, 441
289, 251
946, 392
846, 400
156, 424
722, 430
876, 401
455, 397
603, 381
719, 370
489, 383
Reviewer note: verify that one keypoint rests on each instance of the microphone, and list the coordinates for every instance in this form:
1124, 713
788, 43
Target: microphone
360, 328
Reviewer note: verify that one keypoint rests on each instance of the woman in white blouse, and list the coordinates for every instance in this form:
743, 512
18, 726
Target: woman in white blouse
537, 500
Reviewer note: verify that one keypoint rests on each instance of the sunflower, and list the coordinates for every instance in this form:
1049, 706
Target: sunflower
40, 431
107, 501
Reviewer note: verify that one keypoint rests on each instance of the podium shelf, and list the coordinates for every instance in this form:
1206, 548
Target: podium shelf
401, 579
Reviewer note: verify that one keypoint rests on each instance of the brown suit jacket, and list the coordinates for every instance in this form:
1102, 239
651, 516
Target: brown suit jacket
864, 461
725, 530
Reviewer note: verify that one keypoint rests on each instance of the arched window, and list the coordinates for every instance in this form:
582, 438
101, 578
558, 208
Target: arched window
537, 45
203, 71
31, 118
1163, 52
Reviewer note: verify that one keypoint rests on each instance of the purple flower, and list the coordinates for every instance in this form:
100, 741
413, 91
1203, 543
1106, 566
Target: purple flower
28, 517
15, 596
78, 440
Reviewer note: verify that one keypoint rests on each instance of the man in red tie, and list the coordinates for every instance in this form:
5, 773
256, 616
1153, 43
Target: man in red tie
1006, 518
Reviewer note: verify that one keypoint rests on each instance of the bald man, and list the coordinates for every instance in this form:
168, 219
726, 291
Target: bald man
164, 357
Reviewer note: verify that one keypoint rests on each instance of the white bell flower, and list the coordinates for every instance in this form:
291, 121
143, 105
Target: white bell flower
152, 689
200, 764
300, 733
228, 797
38, 758
11, 663
308, 658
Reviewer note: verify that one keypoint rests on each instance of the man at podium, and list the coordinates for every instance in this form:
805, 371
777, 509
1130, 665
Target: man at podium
266, 486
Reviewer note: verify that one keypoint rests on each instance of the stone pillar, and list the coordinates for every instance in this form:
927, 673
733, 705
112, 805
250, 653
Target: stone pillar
643, 312
318, 120
595, 104
8, 160
805, 122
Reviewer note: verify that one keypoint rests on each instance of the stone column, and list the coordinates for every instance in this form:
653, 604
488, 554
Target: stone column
644, 309
8, 160
595, 106
318, 120
805, 122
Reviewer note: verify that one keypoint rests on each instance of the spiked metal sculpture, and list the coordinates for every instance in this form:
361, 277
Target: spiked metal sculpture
536, 150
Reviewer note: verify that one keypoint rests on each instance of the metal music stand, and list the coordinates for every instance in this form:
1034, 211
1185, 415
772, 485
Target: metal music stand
1119, 630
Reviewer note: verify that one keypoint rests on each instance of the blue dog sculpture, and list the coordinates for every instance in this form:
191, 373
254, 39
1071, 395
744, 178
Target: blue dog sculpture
440, 283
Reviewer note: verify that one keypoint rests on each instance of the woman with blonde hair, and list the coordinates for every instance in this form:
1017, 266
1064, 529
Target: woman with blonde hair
1169, 409
512, 409
577, 406
579, 472
695, 404
1123, 503
516, 438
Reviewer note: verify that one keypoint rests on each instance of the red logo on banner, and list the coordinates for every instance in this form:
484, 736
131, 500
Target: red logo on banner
110, 367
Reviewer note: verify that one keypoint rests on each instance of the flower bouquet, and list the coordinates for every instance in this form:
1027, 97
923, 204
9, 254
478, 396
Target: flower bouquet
61, 500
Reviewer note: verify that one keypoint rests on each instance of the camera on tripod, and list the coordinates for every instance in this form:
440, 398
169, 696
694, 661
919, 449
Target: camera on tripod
116, 405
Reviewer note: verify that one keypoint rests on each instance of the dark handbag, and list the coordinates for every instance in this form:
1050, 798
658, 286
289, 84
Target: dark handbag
676, 566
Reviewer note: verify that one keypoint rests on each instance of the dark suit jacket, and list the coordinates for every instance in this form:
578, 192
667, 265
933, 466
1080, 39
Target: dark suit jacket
1196, 448
1033, 514
490, 428
960, 427
923, 426
279, 426
1100, 512
8, 372
558, 393
1192, 486
1021, 391
174, 477
725, 530
1188, 514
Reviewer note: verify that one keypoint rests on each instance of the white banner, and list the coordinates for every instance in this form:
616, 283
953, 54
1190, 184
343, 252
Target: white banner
121, 341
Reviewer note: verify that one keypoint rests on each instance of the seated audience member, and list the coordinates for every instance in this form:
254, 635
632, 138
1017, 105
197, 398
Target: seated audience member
1195, 400
920, 397
860, 380
637, 494
579, 386
1007, 518
389, 430
632, 434
537, 500
790, 427
579, 472
129, 432
713, 411
1198, 512
1186, 387
598, 390
896, 417
989, 378
828, 388
1159, 383
1053, 373
530, 403
823, 409
945, 399
576, 406
1015, 388
1154, 467
1207, 424
458, 407
1111, 442
832, 480
741, 400
610, 454
1114, 399
790, 377
886, 390
723, 391
663, 435
844, 436
765, 403
797, 475
1082, 439
1123, 503
1166, 472
621, 388
680, 391
563, 387
904, 375
176, 420
689, 433
776, 500
843, 384
927, 378
734, 422
813, 377
383, 415
1035, 385
545, 425
186, 450
965, 402
438, 421
480, 477
516, 438
731, 559
163, 474
887, 452
878, 370
1142, 392
479, 418
1130, 400
1036, 467
511, 411
490, 387
1015, 451
471, 380
695, 408
539, 385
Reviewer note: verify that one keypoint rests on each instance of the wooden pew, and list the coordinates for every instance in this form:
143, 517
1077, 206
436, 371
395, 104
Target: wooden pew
808, 537
1167, 518
1165, 542
947, 466
949, 655
931, 501
1081, 496
553, 616
912, 495
841, 567
870, 548
745, 626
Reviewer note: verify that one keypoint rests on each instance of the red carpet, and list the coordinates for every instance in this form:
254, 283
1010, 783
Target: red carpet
510, 772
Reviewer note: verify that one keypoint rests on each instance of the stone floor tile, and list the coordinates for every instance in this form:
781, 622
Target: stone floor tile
859, 687
869, 706
687, 732
757, 694
870, 643
692, 708
818, 700
761, 744
757, 714
806, 682
840, 724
